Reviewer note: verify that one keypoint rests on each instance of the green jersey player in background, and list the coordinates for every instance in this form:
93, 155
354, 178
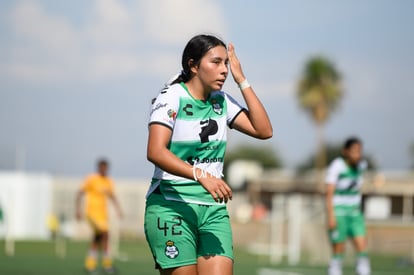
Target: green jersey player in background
186, 220
343, 204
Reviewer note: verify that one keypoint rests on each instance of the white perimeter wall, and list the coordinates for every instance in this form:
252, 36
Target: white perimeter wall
26, 203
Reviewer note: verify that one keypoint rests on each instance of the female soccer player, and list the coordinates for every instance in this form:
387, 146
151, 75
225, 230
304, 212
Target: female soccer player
186, 220
343, 204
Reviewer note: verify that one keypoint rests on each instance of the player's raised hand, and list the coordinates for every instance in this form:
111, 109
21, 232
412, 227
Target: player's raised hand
235, 66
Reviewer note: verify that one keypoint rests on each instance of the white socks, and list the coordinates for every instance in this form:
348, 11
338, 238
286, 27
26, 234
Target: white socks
363, 266
335, 266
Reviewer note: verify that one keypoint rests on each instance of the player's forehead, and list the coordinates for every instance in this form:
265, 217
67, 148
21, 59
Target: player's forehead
103, 165
217, 52
356, 147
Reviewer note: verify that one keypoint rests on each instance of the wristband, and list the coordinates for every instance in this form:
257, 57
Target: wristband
244, 84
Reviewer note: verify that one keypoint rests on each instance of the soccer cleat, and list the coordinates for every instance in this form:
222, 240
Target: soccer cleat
91, 264
107, 266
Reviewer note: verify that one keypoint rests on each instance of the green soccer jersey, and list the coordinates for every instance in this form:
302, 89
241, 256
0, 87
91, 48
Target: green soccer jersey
199, 136
347, 180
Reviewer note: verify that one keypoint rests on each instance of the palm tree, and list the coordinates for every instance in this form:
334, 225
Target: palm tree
319, 93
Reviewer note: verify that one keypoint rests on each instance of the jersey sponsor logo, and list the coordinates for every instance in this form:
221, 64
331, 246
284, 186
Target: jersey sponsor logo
158, 106
171, 251
208, 128
187, 108
208, 148
172, 113
196, 160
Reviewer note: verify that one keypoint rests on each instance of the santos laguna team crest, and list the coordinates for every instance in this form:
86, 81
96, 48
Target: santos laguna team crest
171, 251
217, 103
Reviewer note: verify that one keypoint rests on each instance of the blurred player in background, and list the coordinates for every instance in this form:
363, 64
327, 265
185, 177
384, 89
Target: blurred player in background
343, 205
98, 188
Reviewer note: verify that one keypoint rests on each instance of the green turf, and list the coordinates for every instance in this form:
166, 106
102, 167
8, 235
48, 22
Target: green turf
39, 258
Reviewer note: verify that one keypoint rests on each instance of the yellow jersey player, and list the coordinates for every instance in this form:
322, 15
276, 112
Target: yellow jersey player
98, 188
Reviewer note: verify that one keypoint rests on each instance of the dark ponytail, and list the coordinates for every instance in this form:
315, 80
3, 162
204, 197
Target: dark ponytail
182, 77
193, 52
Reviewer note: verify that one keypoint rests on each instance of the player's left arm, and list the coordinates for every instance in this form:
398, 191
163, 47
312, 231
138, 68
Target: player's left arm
254, 121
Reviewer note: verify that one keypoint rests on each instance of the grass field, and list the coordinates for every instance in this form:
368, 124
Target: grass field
39, 258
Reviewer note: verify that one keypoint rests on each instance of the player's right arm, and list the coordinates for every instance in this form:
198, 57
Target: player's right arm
330, 186
161, 124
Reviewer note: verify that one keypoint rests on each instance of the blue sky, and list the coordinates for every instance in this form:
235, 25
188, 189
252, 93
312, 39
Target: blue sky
76, 77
